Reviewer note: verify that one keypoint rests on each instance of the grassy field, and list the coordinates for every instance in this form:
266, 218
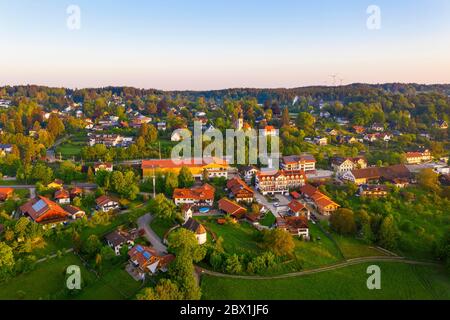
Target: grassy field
353, 248
46, 282
69, 150
398, 281
268, 220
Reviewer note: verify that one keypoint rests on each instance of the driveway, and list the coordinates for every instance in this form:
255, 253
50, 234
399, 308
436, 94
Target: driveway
144, 224
262, 200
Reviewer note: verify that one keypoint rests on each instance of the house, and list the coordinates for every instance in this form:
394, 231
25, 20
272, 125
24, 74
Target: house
120, 238
321, 141
240, 191
106, 203
103, 166
62, 196
176, 137
198, 229
341, 165
214, 166
76, 192
441, 124
418, 157
145, 260
323, 203
359, 129
248, 172
231, 208
270, 131
5, 149
397, 174
305, 162
386, 137
297, 209
6, 193
332, 132
186, 211
199, 196
161, 126
279, 181
56, 184
373, 191
296, 226
44, 211
377, 127
74, 212
370, 137
110, 140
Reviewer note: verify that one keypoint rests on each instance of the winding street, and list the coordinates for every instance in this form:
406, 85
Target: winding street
144, 224
337, 266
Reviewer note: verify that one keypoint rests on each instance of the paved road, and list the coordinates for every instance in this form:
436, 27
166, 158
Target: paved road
144, 224
341, 265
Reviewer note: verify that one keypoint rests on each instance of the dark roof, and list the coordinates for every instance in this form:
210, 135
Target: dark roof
194, 226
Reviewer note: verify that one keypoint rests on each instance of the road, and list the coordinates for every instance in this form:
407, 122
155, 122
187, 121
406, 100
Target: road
144, 224
341, 265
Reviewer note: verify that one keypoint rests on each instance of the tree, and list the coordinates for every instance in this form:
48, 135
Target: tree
92, 245
279, 242
343, 221
427, 179
163, 208
165, 290
55, 126
185, 178
171, 183
233, 264
42, 173
6, 259
306, 121
184, 241
285, 117
388, 233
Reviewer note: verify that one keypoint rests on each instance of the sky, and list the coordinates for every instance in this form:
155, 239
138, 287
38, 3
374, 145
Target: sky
215, 44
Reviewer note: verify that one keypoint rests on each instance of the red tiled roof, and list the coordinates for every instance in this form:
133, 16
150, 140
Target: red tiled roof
205, 192
231, 208
42, 209
296, 206
62, 194
170, 164
102, 200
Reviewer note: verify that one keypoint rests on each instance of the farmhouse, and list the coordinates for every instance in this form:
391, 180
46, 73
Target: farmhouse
240, 191
145, 260
62, 196
44, 211
296, 226
323, 204
200, 196
231, 208
74, 212
106, 203
341, 165
297, 209
119, 238
395, 174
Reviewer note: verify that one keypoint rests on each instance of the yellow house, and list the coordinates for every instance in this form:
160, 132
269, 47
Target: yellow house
214, 166
57, 184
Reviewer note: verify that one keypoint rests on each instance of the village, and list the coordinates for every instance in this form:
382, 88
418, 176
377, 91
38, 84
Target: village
107, 181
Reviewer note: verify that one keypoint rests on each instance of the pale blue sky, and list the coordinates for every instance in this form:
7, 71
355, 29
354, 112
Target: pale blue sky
198, 44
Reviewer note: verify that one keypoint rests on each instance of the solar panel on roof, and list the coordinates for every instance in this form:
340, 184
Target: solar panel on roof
147, 255
139, 249
38, 205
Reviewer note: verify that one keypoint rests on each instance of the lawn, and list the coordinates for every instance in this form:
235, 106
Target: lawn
46, 282
354, 248
268, 220
161, 226
69, 150
240, 238
398, 281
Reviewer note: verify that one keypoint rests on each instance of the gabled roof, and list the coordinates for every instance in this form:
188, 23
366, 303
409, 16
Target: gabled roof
296, 206
102, 200
236, 185
231, 207
62, 194
194, 226
205, 192
40, 207
191, 162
